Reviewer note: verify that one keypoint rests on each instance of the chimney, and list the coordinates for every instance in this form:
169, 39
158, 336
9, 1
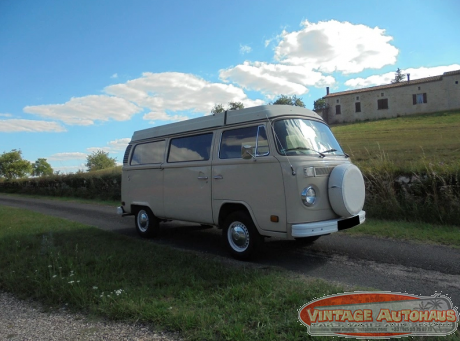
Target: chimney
408, 77
327, 90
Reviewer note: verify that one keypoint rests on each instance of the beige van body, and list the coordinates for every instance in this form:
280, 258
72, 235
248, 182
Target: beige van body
267, 171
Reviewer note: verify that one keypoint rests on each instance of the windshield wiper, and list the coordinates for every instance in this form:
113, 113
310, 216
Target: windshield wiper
303, 148
334, 150
329, 151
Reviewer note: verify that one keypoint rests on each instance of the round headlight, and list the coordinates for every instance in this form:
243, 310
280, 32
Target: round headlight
309, 196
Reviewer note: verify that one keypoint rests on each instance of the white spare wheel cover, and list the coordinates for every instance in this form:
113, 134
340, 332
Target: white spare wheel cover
346, 190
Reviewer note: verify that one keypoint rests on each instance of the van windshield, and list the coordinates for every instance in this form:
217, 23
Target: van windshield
305, 137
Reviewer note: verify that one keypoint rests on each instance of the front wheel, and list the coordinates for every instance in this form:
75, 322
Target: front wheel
240, 235
147, 225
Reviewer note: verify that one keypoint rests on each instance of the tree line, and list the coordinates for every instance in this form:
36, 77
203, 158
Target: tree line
13, 166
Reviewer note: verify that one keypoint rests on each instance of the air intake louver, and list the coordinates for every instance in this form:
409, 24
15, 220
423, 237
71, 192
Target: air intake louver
321, 171
126, 156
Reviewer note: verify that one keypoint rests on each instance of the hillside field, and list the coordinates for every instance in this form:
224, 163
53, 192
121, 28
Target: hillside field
410, 143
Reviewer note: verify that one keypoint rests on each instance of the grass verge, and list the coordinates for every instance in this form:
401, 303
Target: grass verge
60, 262
403, 230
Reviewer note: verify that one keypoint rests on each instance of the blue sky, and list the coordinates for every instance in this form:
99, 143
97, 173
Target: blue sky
77, 76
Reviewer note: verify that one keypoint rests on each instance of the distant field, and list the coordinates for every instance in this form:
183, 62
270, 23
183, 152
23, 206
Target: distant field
408, 142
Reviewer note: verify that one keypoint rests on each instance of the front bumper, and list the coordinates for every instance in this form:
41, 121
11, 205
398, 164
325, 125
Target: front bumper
326, 227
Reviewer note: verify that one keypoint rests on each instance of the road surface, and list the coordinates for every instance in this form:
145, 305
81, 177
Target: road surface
367, 262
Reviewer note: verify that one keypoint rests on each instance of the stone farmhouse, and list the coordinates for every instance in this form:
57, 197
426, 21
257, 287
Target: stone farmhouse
424, 95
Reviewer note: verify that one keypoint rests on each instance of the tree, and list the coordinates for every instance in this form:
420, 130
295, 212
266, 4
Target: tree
12, 165
319, 104
41, 167
218, 108
99, 160
289, 100
399, 76
235, 106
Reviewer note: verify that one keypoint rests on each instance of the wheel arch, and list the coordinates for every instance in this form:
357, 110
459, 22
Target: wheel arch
229, 207
136, 206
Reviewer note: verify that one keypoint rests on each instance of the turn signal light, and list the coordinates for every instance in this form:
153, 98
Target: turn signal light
274, 218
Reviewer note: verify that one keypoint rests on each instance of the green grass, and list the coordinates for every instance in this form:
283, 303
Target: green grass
409, 142
103, 273
402, 230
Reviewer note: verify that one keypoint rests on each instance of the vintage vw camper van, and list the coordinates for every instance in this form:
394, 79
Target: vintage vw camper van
266, 171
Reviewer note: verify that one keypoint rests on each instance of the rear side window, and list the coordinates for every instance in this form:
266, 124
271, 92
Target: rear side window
147, 153
190, 148
233, 140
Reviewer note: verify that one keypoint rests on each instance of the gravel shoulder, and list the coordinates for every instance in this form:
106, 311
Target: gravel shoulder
27, 320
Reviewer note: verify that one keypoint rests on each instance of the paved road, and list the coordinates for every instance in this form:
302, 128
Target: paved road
364, 261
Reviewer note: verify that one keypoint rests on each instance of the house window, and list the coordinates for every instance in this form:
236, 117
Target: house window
382, 104
382, 94
337, 101
337, 110
456, 82
357, 98
419, 98
358, 107
419, 88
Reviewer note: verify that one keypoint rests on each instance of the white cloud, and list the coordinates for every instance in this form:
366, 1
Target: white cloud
70, 169
95, 149
6, 115
86, 110
177, 92
114, 146
115, 75
245, 49
31, 126
415, 73
370, 81
67, 156
331, 46
120, 144
162, 116
275, 79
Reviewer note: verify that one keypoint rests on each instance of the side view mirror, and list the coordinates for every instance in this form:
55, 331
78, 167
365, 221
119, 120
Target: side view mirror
246, 152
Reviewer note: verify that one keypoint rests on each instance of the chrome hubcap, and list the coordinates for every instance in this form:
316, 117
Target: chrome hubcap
143, 221
238, 236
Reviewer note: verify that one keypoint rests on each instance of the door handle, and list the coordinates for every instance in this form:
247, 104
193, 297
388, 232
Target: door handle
218, 177
202, 178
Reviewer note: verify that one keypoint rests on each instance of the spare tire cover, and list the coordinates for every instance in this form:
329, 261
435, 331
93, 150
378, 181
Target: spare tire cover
346, 190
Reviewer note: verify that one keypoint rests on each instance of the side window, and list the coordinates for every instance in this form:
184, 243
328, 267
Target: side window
190, 148
147, 153
232, 140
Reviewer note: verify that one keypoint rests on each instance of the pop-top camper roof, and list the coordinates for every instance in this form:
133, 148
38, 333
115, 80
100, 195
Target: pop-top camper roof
223, 119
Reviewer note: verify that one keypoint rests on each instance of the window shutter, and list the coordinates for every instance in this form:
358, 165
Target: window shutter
414, 99
424, 98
